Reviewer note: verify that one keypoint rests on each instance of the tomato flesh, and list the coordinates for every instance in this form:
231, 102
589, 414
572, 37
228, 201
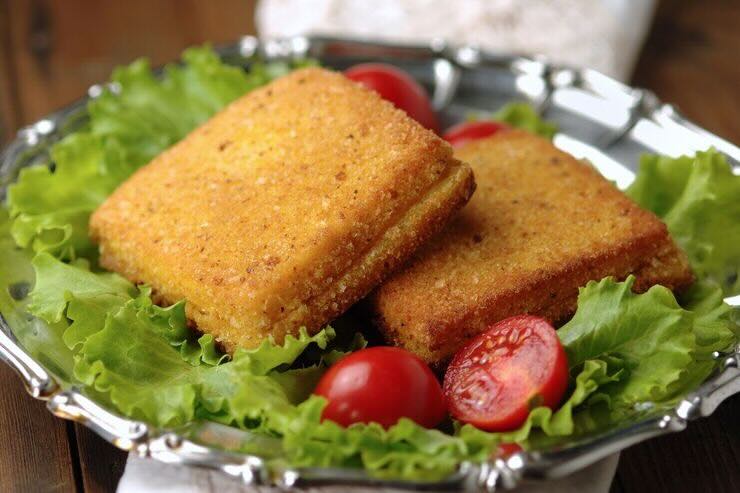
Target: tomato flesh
465, 132
498, 377
399, 88
382, 385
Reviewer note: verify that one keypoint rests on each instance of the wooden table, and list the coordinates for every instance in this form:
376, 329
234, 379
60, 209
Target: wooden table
51, 51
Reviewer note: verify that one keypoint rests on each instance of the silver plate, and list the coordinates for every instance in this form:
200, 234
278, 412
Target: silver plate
600, 119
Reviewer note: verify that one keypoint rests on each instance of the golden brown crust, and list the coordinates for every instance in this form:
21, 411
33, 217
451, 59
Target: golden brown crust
540, 225
283, 209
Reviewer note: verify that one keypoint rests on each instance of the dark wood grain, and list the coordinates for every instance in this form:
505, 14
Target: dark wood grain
704, 457
52, 50
61, 47
35, 453
9, 107
692, 59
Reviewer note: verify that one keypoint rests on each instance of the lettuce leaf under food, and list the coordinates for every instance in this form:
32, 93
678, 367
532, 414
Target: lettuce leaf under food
56, 281
699, 199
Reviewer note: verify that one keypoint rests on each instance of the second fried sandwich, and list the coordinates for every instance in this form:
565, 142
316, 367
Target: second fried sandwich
540, 225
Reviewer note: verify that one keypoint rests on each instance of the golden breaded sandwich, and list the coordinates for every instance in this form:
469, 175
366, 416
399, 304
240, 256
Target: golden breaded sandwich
283, 209
540, 225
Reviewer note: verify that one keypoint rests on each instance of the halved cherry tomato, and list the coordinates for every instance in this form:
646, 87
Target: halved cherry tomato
399, 88
381, 384
468, 131
498, 377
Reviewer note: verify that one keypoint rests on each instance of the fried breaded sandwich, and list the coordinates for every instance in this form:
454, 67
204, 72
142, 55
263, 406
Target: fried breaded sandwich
540, 225
282, 210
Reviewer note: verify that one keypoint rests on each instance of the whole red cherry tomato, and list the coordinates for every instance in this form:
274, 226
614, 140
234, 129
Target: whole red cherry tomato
382, 385
498, 377
468, 131
399, 88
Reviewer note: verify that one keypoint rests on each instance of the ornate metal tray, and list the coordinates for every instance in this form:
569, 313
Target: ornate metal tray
599, 118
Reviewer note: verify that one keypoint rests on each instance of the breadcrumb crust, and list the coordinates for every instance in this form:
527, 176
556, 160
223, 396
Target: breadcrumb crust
540, 225
282, 210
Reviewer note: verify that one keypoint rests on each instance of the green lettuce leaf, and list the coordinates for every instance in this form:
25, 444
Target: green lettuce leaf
697, 197
716, 327
406, 450
146, 114
50, 209
520, 115
137, 370
656, 343
171, 324
524, 116
55, 281
16, 273
133, 364
41, 340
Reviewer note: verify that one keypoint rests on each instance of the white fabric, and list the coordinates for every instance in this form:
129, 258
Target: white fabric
601, 34
144, 475
604, 34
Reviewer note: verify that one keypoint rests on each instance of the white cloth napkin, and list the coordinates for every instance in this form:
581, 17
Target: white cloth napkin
602, 34
144, 475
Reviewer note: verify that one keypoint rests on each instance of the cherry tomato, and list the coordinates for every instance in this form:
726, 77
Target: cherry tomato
468, 131
498, 377
504, 450
381, 384
399, 88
